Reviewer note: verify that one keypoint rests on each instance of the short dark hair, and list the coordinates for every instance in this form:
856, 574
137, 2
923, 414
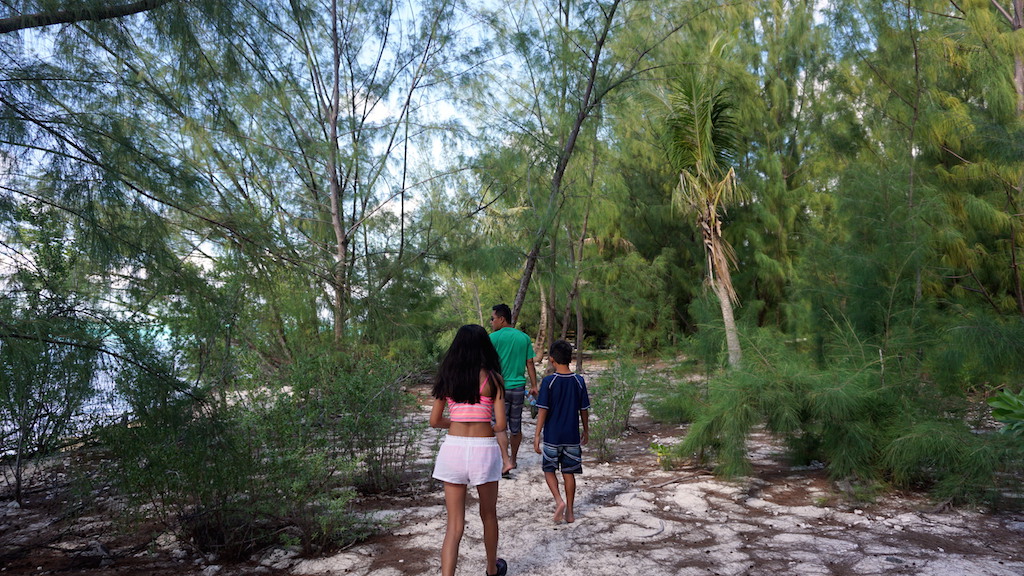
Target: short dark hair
561, 352
504, 311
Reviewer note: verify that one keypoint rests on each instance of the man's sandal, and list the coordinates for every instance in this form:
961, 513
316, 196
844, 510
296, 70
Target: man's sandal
502, 567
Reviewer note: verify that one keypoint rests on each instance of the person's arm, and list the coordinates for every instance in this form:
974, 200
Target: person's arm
437, 419
584, 409
531, 371
542, 416
500, 430
585, 419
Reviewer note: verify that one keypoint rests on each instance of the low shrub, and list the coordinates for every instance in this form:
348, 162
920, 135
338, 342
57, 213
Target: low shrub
866, 424
612, 394
237, 472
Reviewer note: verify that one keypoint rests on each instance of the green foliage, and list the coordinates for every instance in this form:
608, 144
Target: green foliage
680, 405
950, 459
632, 304
612, 395
51, 345
707, 344
243, 468
47, 369
664, 454
177, 216
364, 403
863, 425
1008, 408
719, 433
978, 353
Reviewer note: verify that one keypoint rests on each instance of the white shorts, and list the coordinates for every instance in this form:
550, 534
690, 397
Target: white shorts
468, 460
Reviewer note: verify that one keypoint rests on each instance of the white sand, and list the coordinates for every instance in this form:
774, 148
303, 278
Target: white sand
684, 522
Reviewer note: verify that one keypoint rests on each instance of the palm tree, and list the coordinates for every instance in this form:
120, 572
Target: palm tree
700, 138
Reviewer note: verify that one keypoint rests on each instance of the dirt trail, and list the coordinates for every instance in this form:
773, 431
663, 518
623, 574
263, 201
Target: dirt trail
634, 519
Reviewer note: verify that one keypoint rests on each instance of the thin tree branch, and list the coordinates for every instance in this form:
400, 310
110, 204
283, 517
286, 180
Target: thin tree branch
1003, 11
9, 333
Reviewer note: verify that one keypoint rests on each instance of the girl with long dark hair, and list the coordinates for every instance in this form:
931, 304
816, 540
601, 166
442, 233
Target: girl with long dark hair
475, 450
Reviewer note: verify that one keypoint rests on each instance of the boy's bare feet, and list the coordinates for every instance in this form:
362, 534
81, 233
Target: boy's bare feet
569, 516
559, 512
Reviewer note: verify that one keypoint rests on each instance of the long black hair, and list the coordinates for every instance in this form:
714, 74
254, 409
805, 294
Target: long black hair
458, 377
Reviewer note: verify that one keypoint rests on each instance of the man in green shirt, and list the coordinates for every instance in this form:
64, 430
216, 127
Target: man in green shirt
516, 353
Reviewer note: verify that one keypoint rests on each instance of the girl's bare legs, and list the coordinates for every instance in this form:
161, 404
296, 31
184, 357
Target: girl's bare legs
570, 496
552, 482
455, 505
488, 494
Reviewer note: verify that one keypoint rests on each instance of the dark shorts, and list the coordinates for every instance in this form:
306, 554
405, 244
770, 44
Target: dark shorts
514, 410
568, 458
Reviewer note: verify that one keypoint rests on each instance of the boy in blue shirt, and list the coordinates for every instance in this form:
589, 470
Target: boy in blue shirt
562, 404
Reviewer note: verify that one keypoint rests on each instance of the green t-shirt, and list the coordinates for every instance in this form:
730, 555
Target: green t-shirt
514, 349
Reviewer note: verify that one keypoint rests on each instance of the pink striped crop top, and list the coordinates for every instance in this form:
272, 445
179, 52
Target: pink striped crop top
479, 412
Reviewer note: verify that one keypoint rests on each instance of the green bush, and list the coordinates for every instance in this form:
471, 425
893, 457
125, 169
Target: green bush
47, 369
363, 406
945, 457
978, 354
865, 424
239, 470
612, 395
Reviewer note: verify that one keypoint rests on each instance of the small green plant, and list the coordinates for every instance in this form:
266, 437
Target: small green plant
664, 454
863, 492
1008, 408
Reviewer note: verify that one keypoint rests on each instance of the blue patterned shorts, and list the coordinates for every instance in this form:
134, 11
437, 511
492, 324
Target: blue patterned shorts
568, 458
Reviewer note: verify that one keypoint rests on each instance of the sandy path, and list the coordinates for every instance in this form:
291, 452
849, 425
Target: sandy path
634, 519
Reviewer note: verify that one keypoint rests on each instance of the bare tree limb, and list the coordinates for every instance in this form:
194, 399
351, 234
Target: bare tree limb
1003, 11
84, 14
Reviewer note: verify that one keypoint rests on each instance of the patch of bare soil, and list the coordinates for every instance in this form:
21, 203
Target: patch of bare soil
632, 518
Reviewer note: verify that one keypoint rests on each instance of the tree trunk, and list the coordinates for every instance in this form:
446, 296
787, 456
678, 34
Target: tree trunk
1018, 81
571, 298
551, 316
1018, 291
476, 300
340, 234
732, 339
719, 256
1017, 23
573, 303
567, 315
579, 335
545, 323
590, 102
524, 280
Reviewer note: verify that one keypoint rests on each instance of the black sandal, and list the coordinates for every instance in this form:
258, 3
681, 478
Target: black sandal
502, 567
